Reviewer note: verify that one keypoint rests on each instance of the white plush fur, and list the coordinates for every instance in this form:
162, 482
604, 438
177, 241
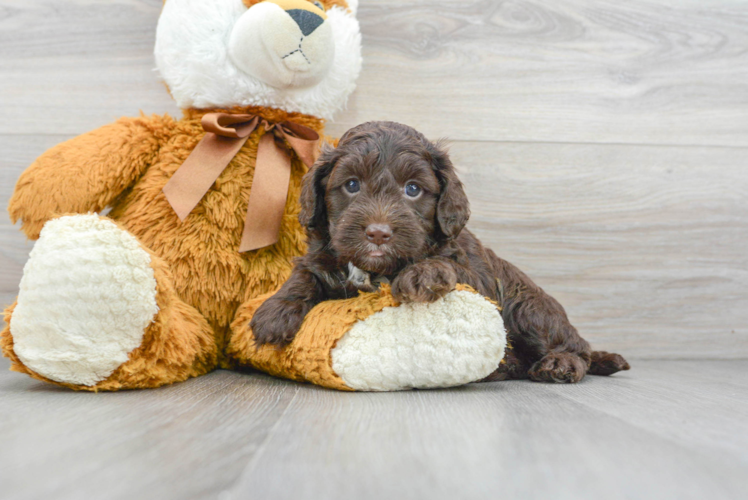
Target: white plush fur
353, 6
87, 295
192, 54
453, 341
268, 44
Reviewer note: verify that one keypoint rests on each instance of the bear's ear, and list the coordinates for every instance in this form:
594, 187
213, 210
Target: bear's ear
313, 214
453, 207
353, 6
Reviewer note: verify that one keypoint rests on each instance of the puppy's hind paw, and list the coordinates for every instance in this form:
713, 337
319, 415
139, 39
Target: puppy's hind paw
607, 363
559, 367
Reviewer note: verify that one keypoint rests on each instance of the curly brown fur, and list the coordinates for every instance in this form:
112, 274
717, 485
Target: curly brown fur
388, 202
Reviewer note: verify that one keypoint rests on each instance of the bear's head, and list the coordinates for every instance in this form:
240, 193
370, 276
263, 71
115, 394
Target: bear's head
295, 55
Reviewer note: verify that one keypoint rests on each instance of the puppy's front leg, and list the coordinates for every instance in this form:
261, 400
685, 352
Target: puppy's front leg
425, 281
278, 320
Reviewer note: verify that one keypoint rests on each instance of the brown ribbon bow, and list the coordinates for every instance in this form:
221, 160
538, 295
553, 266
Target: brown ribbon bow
225, 136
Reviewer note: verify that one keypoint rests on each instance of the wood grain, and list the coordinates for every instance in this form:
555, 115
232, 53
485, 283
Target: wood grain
645, 71
651, 72
18, 152
521, 440
665, 430
603, 146
643, 245
186, 441
70, 67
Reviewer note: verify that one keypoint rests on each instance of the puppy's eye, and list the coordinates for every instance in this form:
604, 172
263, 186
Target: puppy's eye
353, 186
412, 190
319, 5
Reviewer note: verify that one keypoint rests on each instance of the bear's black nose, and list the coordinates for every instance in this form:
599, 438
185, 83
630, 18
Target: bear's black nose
307, 21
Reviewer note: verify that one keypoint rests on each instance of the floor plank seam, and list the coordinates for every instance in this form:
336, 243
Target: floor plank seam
262, 447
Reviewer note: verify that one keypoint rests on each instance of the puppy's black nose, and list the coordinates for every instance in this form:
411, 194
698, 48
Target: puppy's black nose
307, 21
379, 234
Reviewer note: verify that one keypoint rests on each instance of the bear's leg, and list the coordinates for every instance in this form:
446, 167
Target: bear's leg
372, 343
97, 311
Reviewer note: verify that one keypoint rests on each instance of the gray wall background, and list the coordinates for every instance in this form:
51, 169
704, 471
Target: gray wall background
603, 143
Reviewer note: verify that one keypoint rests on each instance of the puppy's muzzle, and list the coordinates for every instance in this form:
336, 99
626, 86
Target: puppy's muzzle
379, 234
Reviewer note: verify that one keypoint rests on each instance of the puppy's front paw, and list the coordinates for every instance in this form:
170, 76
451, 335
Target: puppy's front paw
277, 322
424, 281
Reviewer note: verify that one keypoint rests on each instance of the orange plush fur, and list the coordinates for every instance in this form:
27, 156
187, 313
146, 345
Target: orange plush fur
206, 291
202, 278
309, 356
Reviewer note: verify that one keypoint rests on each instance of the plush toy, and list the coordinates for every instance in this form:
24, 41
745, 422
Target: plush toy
203, 224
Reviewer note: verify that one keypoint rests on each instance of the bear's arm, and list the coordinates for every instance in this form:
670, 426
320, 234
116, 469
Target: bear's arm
86, 173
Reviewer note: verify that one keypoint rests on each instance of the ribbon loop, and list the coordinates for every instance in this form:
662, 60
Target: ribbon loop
303, 140
226, 125
225, 135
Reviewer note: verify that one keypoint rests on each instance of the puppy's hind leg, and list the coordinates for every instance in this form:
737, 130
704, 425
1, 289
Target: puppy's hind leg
511, 368
539, 329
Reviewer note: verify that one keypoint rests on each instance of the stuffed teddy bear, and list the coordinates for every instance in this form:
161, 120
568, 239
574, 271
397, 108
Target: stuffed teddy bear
203, 224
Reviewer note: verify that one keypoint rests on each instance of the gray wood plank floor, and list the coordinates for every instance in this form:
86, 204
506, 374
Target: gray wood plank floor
665, 430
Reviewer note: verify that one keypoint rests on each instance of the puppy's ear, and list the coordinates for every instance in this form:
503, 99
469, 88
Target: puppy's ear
453, 208
313, 214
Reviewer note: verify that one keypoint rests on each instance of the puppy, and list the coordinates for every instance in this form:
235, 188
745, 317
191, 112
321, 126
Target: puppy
387, 206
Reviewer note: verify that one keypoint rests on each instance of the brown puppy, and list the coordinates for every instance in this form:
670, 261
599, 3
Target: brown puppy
387, 206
